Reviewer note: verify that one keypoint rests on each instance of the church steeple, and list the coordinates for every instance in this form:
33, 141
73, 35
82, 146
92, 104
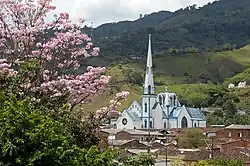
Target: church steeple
148, 87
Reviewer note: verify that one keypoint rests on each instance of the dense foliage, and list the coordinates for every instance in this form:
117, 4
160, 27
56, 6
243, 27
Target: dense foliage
191, 138
220, 162
28, 137
42, 91
140, 160
222, 25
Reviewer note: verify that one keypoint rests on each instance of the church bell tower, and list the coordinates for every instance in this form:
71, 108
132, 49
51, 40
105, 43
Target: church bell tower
148, 96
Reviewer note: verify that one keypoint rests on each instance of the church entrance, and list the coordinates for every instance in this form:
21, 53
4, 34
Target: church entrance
184, 123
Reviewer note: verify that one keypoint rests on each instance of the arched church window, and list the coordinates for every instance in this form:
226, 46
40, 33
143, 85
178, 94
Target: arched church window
195, 125
174, 99
184, 123
145, 106
171, 101
160, 100
165, 125
151, 124
163, 99
145, 123
149, 89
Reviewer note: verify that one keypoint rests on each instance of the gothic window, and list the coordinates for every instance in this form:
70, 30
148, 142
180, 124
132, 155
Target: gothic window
184, 123
163, 99
160, 100
165, 125
149, 89
145, 107
174, 100
171, 102
145, 123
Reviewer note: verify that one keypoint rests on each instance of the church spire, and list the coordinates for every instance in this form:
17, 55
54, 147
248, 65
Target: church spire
149, 81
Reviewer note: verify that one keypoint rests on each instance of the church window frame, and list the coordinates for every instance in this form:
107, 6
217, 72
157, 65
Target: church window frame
184, 122
145, 123
145, 107
160, 100
149, 89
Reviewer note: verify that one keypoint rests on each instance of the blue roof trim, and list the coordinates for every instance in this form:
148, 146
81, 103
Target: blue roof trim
175, 112
196, 113
134, 116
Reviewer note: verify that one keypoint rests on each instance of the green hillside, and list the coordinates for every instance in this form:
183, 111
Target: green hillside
190, 87
222, 25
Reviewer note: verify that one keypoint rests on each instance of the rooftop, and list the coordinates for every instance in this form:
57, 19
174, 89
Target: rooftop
131, 131
234, 126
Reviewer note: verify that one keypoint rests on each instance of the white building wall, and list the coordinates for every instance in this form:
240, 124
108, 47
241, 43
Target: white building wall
130, 123
157, 116
145, 99
173, 123
182, 114
202, 124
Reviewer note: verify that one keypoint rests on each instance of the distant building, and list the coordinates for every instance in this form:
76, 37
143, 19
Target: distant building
158, 111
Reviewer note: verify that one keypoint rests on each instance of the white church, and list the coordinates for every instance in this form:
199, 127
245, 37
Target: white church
158, 111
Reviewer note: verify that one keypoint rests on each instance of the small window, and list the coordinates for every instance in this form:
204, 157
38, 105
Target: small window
145, 107
230, 134
195, 125
134, 127
151, 124
240, 135
165, 125
145, 123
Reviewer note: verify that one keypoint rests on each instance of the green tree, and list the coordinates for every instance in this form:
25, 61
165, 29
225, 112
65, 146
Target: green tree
219, 162
191, 138
28, 137
140, 160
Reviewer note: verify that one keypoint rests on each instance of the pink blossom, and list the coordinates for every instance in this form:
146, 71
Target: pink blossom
55, 54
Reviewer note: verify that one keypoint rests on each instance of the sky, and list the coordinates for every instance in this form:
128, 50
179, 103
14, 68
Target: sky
104, 11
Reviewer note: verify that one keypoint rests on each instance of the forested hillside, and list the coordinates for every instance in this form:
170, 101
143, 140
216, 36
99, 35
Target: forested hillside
222, 25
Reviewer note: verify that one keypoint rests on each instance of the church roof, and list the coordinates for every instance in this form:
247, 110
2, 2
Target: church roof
155, 105
196, 113
175, 112
134, 116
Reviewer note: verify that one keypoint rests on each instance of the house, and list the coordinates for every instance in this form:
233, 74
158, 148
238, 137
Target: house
127, 134
237, 145
235, 132
158, 111
128, 144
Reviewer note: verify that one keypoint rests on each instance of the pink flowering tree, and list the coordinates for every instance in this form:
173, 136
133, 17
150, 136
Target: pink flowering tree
45, 55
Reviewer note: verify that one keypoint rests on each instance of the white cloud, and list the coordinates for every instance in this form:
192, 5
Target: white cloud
102, 11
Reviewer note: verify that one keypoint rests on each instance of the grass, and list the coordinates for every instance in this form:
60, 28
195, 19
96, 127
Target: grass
173, 70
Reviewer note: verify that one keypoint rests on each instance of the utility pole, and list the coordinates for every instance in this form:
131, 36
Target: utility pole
212, 135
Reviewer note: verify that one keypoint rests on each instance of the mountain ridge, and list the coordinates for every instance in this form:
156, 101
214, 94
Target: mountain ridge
221, 25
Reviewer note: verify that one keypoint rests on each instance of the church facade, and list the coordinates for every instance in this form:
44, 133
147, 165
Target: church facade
158, 111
